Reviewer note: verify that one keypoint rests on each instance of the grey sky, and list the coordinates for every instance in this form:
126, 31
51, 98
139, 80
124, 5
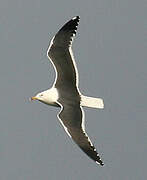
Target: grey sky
110, 50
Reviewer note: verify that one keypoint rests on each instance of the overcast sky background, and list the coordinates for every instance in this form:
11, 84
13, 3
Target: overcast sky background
111, 54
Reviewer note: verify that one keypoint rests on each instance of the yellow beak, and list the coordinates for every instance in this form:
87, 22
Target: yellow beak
33, 98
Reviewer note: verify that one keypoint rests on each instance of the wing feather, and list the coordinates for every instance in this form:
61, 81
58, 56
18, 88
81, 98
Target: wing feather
60, 54
72, 119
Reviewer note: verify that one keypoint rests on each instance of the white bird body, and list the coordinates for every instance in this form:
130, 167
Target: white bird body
51, 96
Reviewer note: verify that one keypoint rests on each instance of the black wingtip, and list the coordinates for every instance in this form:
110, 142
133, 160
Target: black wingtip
71, 25
100, 163
76, 17
92, 153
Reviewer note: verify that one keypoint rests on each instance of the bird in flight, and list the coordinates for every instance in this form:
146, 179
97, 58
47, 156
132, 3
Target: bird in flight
65, 93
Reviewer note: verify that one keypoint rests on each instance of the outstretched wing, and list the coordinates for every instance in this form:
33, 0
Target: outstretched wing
72, 119
61, 56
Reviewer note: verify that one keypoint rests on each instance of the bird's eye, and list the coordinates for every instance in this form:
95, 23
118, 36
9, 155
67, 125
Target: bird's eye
41, 94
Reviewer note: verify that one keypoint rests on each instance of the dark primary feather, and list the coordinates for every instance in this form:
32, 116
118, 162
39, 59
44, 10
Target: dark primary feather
64, 36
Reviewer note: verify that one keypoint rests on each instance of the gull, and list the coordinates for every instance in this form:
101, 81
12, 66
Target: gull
65, 93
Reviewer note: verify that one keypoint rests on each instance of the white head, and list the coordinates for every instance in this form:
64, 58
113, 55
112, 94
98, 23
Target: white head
49, 97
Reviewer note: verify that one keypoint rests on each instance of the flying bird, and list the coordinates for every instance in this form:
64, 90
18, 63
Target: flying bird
65, 93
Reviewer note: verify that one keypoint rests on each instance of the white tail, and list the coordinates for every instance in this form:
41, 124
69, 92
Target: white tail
92, 102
